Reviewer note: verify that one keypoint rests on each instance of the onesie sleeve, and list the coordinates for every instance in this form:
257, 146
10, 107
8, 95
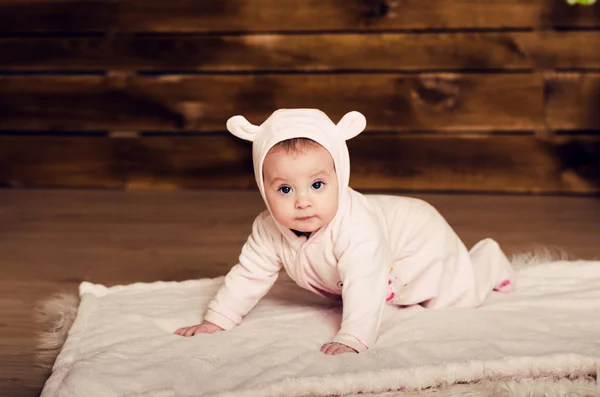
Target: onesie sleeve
364, 262
249, 280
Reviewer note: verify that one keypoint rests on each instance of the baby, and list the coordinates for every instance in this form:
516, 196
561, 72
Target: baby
365, 250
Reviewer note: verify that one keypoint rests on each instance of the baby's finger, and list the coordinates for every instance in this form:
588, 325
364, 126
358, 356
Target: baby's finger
189, 331
179, 331
331, 349
338, 350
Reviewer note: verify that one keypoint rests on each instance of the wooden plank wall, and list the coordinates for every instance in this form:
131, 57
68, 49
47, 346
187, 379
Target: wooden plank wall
462, 95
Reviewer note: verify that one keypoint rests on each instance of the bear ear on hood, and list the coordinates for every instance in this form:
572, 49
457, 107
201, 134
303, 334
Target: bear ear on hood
352, 124
242, 128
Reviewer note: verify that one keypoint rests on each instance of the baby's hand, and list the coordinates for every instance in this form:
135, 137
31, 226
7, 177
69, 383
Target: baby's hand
333, 348
204, 328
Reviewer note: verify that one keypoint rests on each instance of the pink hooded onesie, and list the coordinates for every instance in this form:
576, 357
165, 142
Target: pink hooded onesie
377, 249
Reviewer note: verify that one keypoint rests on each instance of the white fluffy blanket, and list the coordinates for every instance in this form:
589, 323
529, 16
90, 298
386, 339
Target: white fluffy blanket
121, 343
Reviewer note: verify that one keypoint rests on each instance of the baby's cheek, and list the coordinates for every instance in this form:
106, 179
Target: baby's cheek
280, 214
333, 209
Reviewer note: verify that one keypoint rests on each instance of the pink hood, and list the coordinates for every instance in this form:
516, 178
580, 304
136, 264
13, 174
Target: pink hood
313, 124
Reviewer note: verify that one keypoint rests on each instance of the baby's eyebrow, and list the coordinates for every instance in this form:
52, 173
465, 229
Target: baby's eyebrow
277, 180
322, 172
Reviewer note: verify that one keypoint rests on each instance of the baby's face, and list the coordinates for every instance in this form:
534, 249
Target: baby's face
301, 188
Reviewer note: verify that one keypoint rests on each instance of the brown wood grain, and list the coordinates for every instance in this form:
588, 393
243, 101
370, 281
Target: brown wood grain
285, 15
564, 49
379, 162
391, 102
307, 52
573, 101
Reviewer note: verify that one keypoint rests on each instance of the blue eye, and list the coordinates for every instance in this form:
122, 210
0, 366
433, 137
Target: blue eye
285, 189
317, 185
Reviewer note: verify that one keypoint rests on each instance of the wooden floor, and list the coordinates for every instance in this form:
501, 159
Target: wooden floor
50, 241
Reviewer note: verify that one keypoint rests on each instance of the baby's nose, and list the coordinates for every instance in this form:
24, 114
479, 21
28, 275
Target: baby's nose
302, 202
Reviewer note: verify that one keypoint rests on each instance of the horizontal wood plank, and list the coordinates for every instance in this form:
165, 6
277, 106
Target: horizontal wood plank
573, 101
307, 52
379, 161
269, 52
285, 15
391, 102
564, 50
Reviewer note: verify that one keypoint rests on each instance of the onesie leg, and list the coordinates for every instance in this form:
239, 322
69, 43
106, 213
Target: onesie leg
491, 266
